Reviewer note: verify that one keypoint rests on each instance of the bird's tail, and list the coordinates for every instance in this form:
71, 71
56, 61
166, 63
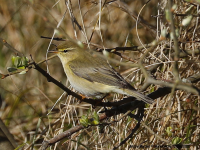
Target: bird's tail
139, 96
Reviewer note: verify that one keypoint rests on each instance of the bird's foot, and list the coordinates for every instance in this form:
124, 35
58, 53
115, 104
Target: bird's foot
82, 98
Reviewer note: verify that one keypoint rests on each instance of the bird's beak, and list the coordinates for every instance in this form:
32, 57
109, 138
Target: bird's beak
53, 51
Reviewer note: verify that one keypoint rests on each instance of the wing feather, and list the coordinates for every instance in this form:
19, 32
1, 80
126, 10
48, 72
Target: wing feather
102, 74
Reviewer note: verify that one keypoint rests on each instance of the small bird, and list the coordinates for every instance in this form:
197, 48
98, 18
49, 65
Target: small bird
93, 76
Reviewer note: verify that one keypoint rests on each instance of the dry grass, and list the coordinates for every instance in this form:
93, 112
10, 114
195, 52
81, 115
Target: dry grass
28, 98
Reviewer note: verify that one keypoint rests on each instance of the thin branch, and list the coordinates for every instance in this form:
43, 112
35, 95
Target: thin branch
144, 23
4, 42
180, 86
176, 46
156, 135
27, 68
144, 55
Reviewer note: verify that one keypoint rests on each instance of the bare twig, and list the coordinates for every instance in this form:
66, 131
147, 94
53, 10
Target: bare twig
18, 53
176, 47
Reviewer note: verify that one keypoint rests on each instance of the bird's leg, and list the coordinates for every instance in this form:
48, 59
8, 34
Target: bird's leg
82, 98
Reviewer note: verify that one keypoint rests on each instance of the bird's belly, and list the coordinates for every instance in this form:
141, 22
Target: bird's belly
90, 89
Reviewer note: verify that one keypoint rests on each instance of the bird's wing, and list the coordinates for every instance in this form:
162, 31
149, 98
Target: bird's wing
102, 74
105, 74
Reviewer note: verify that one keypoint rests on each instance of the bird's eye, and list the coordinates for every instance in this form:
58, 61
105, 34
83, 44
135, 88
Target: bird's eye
65, 51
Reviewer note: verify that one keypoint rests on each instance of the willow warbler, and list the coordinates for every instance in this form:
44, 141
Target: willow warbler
93, 76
